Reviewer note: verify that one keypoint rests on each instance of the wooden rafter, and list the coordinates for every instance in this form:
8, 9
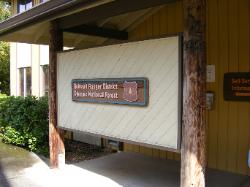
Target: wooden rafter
98, 31
108, 10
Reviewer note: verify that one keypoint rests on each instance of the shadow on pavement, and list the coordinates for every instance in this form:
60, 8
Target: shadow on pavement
3, 179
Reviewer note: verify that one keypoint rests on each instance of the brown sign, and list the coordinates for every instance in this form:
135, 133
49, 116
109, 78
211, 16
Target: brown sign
237, 86
126, 91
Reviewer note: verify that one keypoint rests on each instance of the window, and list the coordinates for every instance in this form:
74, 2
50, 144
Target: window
44, 80
25, 81
42, 1
23, 5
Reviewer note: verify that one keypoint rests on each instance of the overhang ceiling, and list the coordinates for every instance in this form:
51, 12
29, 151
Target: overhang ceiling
107, 15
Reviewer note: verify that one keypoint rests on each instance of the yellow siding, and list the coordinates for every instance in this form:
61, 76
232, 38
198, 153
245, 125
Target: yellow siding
13, 7
228, 48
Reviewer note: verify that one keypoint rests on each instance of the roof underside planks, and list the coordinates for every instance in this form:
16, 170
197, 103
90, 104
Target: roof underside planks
111, 17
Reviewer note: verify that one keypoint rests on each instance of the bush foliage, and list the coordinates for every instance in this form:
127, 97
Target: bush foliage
2, 96
4, 53
24, 122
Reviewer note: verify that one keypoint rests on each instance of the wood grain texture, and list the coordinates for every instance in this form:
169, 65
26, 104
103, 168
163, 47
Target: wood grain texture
244, 65
228, 139
56, 135
223, 68
193, 150
212, 58
232, 129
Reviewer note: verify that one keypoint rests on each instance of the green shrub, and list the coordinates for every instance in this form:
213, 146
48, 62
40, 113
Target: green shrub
2, 96
24, 122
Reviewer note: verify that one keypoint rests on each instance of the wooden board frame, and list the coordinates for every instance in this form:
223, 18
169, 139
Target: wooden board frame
180, 95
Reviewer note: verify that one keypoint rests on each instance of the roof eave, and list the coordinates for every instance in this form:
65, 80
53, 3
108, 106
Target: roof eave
46, 11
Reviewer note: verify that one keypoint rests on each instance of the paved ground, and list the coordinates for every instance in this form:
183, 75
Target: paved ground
19, 168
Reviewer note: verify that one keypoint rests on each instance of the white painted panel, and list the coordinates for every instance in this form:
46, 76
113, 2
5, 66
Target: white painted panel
13, 69
23, 55
156, 124
44, 55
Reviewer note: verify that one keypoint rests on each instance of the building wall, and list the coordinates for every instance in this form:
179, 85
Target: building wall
228, 48
13, 69
13, 63
19, 57
35, 67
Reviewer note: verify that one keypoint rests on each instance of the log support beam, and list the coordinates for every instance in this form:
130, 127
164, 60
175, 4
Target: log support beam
56, 142
193, 149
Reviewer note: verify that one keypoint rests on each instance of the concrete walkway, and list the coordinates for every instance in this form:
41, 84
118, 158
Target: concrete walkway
19, 168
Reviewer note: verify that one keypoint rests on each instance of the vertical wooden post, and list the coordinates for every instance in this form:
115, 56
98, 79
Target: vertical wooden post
56, 141
193, 151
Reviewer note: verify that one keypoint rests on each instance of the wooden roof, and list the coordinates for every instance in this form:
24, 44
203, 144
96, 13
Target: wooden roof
84, 22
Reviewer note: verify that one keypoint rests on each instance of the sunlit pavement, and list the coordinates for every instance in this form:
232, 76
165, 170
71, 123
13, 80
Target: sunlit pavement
19, 168
42, 176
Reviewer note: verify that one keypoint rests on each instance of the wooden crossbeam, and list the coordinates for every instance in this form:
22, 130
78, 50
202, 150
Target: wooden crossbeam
98, 31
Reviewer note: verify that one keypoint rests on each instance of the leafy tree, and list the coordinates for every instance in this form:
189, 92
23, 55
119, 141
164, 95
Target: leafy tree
4, 10
4, 54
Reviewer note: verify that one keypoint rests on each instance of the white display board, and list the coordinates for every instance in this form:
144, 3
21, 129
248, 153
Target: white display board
158, 123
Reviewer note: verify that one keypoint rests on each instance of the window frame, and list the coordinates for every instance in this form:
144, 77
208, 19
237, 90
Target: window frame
43, 1
18, 6
23, 82
44, 80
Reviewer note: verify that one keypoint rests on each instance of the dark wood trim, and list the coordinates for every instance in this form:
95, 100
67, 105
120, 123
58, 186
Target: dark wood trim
88, 11
109, 10
59, 8
193, 150
180, 96
98, 31
56, 136
43, 12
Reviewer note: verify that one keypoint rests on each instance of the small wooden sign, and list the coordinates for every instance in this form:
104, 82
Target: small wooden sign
125, 91
237, 86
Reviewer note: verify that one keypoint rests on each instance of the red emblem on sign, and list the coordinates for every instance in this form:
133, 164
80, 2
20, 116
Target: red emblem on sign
130, 91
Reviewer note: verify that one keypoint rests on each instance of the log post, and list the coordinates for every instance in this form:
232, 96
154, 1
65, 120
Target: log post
56, 142
193, 149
